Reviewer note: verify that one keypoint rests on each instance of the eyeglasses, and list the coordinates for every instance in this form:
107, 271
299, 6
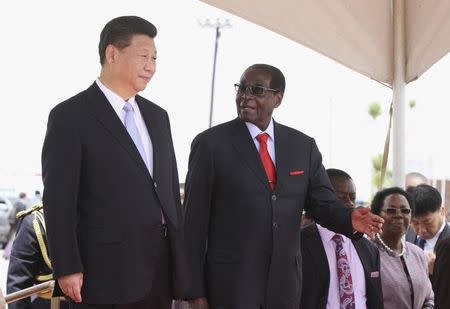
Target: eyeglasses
258, 91
393, 211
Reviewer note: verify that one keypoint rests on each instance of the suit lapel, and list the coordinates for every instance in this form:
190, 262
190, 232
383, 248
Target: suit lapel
281, 155
444, 234
160, 153
244, 145
316, 250
106, 115
152, 126
365, 259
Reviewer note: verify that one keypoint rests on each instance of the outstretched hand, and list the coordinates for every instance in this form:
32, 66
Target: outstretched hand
366, 222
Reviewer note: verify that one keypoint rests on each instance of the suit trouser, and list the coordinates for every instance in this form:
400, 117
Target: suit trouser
160, 294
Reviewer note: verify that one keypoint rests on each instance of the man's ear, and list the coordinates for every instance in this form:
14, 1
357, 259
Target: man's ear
278, 98
442, 211
110, 54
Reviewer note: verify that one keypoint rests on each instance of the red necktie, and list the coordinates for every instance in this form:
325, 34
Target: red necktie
266, 160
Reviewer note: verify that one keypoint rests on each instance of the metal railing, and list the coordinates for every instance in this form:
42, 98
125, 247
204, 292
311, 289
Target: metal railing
38, 288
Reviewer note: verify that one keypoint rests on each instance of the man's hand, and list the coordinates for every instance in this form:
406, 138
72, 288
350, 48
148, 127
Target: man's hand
198, 303
71, 286
431, 257
366, 222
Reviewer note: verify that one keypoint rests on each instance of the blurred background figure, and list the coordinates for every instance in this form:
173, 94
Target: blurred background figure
414, 179
6, 208
19, 206
322, 288
403, 266
428, 222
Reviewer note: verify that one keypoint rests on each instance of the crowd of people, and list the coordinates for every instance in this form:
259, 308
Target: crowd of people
113, 233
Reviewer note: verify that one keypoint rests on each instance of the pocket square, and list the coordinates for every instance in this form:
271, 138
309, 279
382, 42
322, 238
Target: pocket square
375, 274
295, 173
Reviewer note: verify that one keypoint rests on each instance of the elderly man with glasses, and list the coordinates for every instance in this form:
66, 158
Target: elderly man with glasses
246, 187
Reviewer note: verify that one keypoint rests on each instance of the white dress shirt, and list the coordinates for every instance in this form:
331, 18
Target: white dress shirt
255, 131
431, 243
356, 269
117, 104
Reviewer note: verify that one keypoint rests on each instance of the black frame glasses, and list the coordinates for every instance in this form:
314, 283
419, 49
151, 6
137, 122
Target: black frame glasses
391, 211
255, 90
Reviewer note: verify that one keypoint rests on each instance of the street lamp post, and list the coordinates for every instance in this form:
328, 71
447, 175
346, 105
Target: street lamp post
218, 24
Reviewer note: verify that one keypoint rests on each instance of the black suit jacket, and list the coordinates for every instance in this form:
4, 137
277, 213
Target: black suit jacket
242, 238
411, 236
441, 275
102, 206
316, 273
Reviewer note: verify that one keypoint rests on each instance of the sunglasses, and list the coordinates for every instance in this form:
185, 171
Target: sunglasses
255, 90
393, 211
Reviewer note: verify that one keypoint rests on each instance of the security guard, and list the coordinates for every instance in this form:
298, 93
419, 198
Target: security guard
29, 262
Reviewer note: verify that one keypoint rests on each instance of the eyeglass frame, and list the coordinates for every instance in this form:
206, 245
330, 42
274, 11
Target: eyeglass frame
237, 87
390, 211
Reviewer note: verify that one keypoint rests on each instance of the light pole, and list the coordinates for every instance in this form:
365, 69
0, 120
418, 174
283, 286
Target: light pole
218, 24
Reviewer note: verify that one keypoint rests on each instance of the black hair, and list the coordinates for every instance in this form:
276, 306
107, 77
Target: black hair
378, 200
426, 198
119, 32
334, 173
278, 82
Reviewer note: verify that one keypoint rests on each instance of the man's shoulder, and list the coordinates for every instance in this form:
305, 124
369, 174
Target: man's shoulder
309, 231
149, 104
222, 129
365, 244
292, 132
74, 102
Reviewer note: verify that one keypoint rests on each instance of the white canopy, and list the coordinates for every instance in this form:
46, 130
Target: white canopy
391, 41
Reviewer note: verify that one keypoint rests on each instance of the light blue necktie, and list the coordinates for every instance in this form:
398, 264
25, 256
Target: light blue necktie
131, 127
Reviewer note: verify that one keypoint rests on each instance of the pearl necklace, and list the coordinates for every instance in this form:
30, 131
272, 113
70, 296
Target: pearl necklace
390, 250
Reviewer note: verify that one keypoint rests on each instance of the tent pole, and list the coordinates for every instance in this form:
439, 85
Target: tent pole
398, 88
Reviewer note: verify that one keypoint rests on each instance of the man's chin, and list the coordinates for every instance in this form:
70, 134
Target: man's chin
244, 115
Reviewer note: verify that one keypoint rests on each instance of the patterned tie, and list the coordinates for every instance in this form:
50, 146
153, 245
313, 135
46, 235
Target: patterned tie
131, 127
269, 167
344, 276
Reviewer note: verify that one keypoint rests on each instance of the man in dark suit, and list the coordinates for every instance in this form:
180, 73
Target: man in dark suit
247, 183
112, 200
320, 269
428, 221
441, 275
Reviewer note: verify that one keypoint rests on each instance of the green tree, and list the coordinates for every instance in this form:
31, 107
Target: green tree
374, 110
377, 162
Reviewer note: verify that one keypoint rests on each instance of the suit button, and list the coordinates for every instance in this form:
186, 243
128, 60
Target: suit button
274, 197
155, 184
275, 225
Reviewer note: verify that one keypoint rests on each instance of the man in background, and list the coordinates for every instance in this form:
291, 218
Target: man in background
323, 264
428, 221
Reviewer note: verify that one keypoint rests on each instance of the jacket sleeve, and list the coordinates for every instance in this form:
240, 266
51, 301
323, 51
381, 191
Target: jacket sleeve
61, 162
324, 206
198, 195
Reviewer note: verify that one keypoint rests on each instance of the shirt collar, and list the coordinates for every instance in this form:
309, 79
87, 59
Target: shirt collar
327, 235
433, 240
255, 131
116, 101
